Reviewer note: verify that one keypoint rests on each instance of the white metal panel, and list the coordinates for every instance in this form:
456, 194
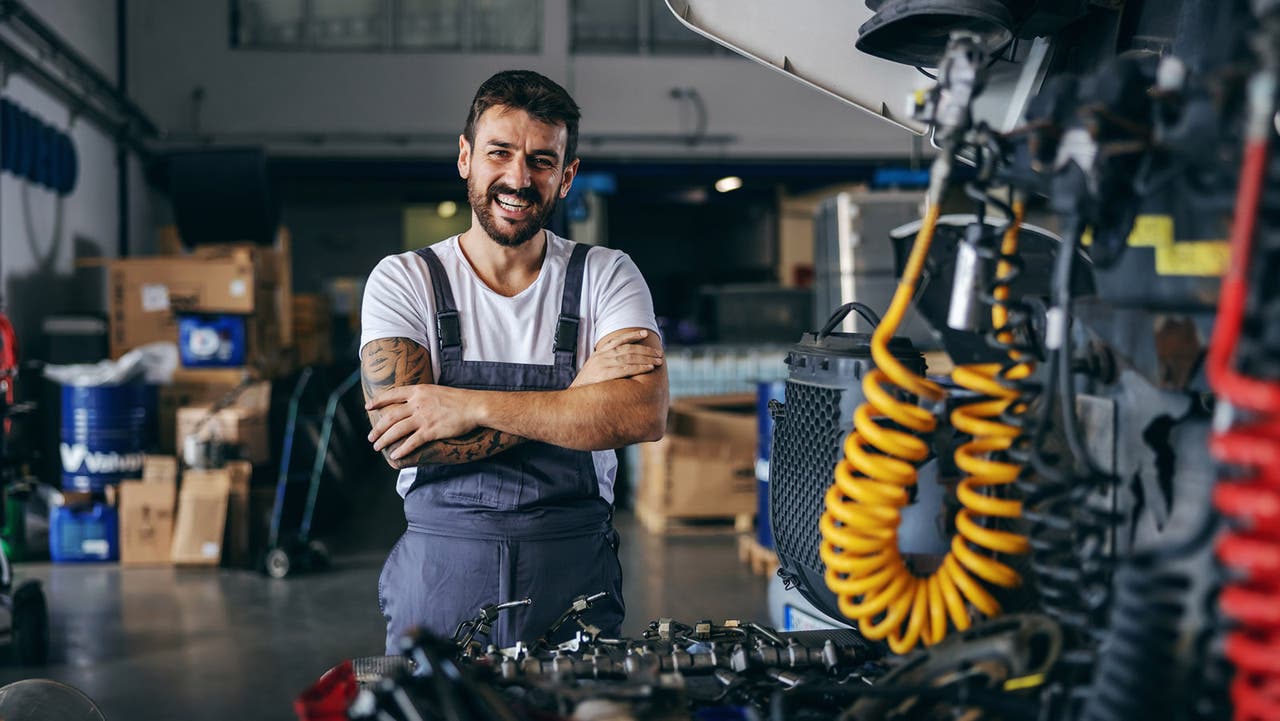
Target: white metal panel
812, 41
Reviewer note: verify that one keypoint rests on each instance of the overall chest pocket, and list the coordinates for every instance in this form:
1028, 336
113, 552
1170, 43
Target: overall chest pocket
549, 474
486, 483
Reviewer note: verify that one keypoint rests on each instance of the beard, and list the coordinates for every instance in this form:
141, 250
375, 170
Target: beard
502, 231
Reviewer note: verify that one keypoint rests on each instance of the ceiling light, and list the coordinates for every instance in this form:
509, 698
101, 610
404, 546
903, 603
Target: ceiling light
447, 209
729, 183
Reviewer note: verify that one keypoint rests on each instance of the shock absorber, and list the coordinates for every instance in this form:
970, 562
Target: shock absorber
1249, 447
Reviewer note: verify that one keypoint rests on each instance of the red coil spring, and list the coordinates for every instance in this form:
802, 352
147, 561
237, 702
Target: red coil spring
1253, 551
1251, 497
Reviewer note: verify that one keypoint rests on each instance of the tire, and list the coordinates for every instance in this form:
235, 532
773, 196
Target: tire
277, 563
30, 626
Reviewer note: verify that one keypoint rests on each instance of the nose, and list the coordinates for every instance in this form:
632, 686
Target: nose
516, 173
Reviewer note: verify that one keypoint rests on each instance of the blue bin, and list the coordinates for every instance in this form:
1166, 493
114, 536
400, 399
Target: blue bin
765, 392
80, 534
105, 432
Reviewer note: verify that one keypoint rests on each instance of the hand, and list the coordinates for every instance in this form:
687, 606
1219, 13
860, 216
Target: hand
619, 356
409, 416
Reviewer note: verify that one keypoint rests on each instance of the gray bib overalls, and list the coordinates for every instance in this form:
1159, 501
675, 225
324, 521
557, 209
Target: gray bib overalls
528, 522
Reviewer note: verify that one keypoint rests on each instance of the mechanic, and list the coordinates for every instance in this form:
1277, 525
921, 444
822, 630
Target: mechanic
501, 368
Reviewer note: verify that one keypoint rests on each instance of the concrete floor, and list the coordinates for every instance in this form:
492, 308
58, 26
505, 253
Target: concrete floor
161, 643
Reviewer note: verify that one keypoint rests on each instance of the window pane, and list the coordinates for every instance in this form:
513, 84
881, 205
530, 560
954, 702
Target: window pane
429, 24
607, 26
507, 26
669, 35
347, 23
267, 23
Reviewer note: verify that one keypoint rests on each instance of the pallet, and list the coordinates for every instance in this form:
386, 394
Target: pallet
762, 561
663, 524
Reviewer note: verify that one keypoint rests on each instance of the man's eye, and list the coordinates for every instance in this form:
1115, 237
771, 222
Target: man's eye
498, 153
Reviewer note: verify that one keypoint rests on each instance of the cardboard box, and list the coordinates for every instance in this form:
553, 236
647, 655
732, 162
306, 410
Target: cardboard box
160, 469
213, 516
145, 293
192, 387
312, 329
273, 270
705, 465
686, 478
729, 418
146, 522
244, 423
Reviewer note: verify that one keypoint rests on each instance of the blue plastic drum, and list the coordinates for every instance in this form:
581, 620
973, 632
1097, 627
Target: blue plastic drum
105, 432
765, 392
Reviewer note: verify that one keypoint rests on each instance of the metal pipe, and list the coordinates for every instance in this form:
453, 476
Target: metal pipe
34, 30
122, 153
75, 100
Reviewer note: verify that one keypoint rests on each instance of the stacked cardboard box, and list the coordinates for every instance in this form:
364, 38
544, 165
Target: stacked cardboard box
705, 465
146, 513
204, 523
243, 423
212, 524
146, 295
193, 387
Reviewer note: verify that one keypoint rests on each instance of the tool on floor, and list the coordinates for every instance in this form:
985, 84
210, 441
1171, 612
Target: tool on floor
287, 554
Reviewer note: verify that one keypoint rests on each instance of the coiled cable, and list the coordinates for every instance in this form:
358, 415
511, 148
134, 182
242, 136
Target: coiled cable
1136, 671
859, 525
1069, 533
1251, 547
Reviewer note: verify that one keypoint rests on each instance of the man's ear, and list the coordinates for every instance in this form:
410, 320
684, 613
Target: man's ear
566, 182
464, 157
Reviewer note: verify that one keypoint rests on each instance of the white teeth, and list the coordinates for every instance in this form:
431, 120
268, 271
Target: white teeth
511, 202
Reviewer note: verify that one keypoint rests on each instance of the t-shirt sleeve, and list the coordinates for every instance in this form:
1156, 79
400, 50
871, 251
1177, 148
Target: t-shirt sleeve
623, 301
395, 304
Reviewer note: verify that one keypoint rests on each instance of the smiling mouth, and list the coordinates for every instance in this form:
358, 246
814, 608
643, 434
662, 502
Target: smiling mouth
512, 203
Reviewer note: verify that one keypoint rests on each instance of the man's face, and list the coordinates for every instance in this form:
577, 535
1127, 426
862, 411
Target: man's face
515, 173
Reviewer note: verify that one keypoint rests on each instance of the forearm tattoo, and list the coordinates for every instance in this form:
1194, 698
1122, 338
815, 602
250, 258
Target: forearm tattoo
391, 362
473, 446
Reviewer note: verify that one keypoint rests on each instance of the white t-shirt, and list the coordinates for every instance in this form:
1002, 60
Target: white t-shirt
399, 303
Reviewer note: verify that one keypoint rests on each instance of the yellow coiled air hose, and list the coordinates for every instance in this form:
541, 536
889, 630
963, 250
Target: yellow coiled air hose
860, 526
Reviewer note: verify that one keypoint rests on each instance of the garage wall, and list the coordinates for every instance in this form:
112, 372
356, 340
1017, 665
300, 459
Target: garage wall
41, 234
177, 46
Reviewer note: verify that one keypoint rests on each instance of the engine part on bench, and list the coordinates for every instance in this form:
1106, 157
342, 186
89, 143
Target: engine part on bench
482, 624
1016, 652
674, 669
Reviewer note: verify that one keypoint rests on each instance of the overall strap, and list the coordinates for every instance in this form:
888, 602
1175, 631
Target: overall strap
566, 341
448, 330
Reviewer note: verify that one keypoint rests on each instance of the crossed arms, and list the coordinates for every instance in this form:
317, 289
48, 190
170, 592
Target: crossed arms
619, 397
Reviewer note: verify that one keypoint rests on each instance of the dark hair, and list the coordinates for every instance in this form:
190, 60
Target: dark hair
533, 93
